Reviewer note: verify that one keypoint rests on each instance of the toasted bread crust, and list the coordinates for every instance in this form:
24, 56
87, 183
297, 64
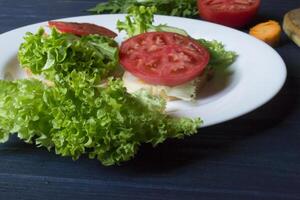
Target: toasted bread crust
291, 25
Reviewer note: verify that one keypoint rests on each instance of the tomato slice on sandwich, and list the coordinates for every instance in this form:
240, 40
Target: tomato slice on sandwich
81, 29
163, 58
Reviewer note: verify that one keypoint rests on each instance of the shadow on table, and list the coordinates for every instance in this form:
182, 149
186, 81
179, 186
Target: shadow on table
216, 141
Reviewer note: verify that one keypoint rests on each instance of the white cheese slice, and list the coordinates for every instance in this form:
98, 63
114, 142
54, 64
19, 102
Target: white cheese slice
186, 92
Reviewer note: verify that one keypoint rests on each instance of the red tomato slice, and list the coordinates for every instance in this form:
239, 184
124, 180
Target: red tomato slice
163, 58
81, 29
234, 13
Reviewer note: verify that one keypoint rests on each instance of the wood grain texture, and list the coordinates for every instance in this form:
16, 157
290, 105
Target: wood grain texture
256, 156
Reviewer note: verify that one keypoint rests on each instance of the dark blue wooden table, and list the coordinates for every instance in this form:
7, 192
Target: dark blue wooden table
256, 156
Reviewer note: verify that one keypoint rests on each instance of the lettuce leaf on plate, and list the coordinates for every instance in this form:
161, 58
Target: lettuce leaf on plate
184, 8
220, 58
140, 20
76, 115
57, 55
110, 127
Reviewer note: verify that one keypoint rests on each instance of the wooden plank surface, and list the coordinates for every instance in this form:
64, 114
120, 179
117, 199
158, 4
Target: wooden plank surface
256, 156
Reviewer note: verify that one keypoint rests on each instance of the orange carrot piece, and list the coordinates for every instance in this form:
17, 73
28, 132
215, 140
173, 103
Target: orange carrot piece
268, 32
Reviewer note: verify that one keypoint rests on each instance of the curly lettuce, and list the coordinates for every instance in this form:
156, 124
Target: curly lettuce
76, 115
220, 58
140, 20
183, 8
56, 55
105, 123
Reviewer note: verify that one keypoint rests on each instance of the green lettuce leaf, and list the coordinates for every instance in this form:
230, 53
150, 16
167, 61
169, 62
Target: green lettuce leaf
140, 20
184, 8
105, 123
56, 55
220, 58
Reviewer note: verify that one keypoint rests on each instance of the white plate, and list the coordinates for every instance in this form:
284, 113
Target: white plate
257, 75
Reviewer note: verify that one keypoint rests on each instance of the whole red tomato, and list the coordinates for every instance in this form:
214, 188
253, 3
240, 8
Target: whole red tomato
233, 13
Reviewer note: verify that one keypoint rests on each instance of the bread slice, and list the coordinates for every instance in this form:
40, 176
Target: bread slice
29, 74
291, 25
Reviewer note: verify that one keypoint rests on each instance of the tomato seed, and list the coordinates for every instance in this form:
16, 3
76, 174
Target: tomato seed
244, 2
173, 57
159, 41
153, 48
178, 68
184, 57
214, 2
